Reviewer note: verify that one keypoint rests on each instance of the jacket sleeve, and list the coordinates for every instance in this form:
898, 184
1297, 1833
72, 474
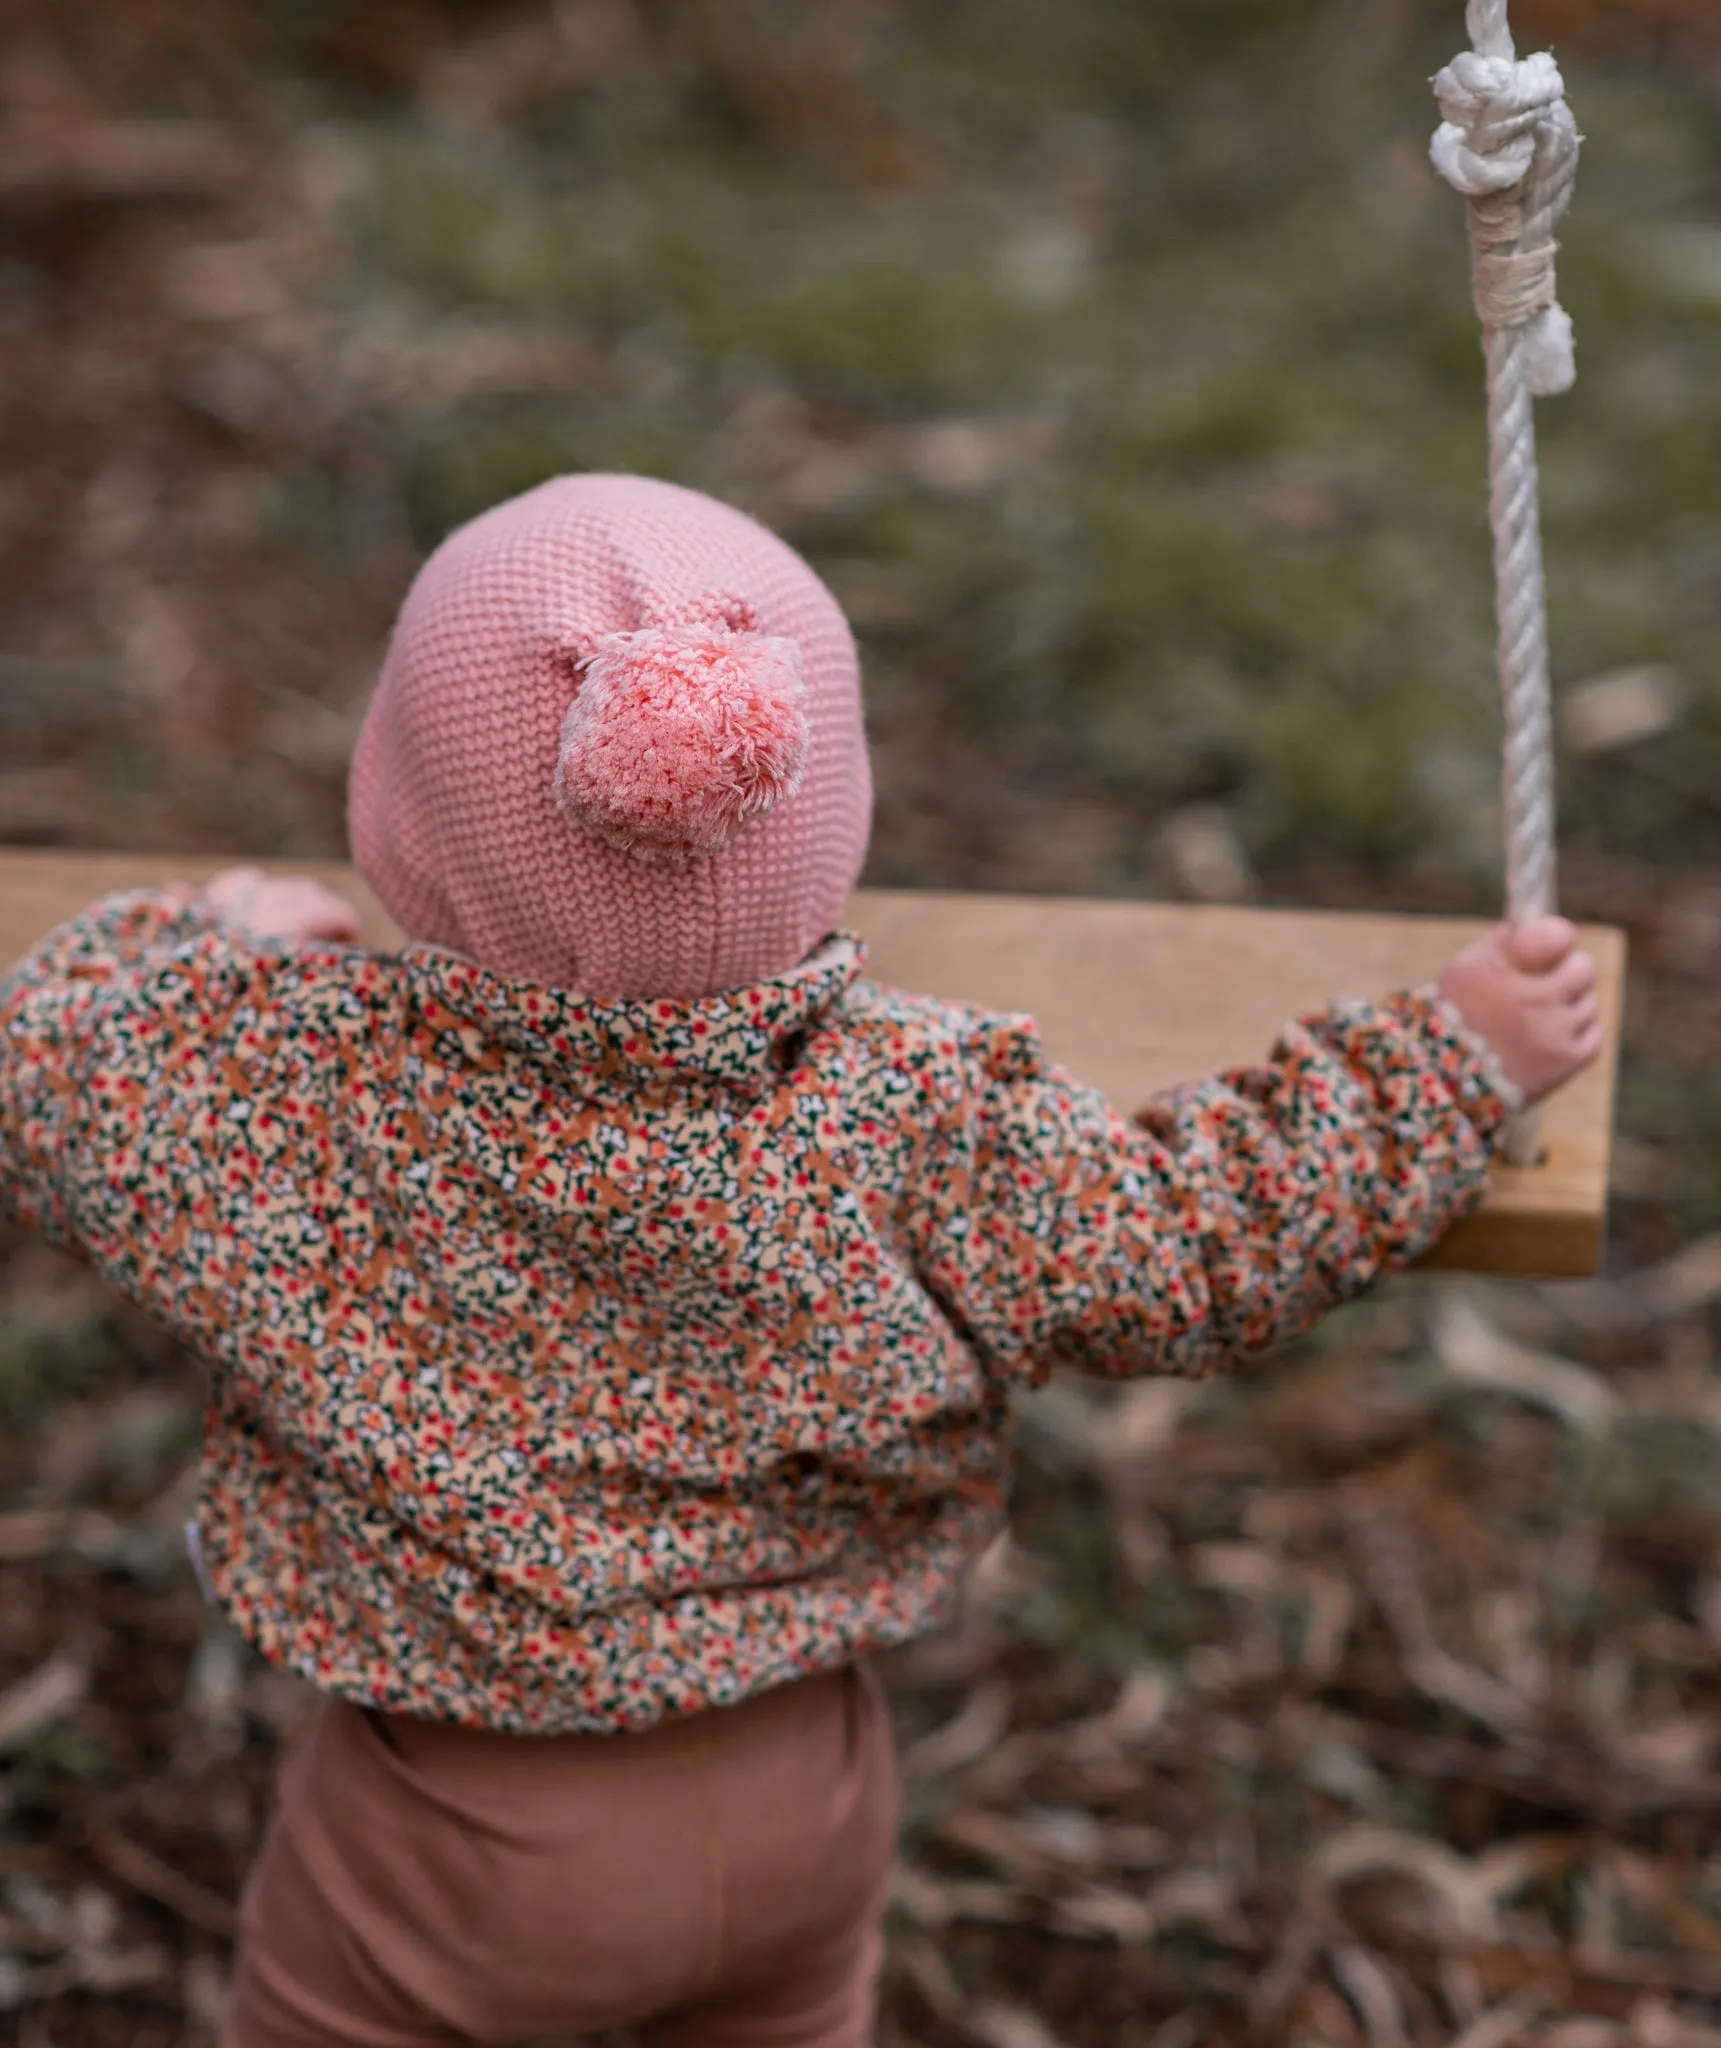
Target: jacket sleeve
108, 1005
1229, 1217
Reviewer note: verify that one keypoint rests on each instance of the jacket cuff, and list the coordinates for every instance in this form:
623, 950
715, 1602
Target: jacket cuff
1484, 1091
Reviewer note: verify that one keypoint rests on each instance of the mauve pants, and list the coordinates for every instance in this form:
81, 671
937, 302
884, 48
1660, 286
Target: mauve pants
716, 1882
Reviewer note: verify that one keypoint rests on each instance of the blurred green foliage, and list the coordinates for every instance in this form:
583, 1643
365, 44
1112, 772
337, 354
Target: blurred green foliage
1186, 275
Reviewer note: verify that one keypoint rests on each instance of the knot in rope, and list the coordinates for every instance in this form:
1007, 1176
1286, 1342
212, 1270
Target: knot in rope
1509, 144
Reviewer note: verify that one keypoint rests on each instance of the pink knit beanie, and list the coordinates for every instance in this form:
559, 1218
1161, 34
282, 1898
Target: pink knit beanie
616, 746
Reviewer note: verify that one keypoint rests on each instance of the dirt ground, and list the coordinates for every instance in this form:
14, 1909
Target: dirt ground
1116, 366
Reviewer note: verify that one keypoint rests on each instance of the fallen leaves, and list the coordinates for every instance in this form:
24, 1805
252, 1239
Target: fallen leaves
100, 162
1605, 714
144, 1872
997, 2025
42, 1698
1420, 1752
1478, 1354
77, 1938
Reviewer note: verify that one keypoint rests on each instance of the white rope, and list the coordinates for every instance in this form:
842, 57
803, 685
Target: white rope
1509, 144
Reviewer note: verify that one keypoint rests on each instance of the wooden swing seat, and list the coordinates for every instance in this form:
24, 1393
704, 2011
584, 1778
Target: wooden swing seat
1132, 997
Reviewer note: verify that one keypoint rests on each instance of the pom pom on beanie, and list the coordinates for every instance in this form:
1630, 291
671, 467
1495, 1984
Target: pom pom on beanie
682, 732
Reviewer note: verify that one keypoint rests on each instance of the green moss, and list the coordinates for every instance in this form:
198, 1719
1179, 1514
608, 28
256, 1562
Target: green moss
466, 231
1649, 1467
46, 1357
478, 454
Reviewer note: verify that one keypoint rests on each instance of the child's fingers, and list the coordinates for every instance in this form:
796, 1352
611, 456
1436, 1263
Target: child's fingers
308, 910
232, 885
1575, 976
282, 906
1540, 946
1576, 1013
333, 917
325, 925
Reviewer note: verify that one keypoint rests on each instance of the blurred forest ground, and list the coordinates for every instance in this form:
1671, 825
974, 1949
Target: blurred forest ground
1115, 363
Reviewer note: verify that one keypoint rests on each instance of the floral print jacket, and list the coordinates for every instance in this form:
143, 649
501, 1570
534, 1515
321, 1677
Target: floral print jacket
576, 1364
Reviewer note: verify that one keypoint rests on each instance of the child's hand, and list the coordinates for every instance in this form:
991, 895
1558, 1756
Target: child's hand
1531, 994
280, 906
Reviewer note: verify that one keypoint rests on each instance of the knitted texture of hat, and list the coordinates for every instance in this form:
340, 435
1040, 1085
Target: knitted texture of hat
616, 746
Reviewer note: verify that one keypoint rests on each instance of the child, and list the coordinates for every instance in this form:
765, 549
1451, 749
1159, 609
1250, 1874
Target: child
614, 1301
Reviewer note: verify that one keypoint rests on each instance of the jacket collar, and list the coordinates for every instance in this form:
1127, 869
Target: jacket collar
740, 1038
